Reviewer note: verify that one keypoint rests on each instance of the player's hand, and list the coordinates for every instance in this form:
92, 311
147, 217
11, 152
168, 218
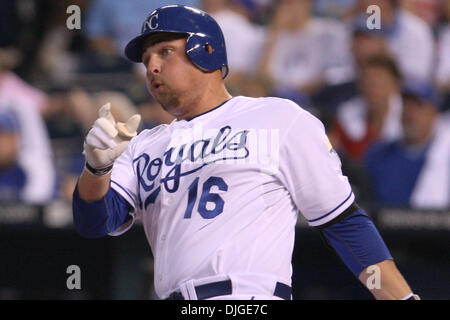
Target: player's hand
106, 140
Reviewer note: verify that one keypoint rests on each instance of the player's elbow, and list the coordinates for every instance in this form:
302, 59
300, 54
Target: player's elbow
89, 234
87, 229
357, 241
89, 219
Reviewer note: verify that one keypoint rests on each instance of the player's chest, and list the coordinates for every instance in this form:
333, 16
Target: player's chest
183, 159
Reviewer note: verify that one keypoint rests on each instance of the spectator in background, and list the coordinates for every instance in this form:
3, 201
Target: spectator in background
443, 67
12, 177
414, 171
243, 38
365, 44
410, 39
442, 74
21, 26
13, 88
111, 24
26, 146
427, 10
339, 9
34, 155
60, 49
304, 52
372, 115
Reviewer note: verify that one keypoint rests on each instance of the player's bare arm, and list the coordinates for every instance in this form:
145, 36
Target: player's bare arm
355, 238
92, 188
392, 284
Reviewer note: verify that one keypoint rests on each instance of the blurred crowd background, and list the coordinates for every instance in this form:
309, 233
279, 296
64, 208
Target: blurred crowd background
382, 94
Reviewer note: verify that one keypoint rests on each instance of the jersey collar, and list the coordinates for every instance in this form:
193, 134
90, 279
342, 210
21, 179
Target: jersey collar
201, 114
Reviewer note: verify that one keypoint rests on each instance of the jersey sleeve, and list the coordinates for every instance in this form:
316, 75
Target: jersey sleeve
123, 181
311, 170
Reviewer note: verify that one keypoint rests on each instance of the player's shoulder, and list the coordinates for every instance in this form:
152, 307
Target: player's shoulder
273, 105
150, 134
273, 112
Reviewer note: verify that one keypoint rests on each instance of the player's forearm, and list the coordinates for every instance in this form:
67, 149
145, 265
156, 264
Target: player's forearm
357, 241
91, 188
385, 281
93, 219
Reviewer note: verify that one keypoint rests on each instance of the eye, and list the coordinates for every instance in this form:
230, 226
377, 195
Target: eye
166, 51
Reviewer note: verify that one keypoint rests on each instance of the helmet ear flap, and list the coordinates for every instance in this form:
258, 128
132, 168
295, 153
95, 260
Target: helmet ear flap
205, 52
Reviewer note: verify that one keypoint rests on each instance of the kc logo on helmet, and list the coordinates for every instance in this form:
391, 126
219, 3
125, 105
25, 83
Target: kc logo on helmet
151, 23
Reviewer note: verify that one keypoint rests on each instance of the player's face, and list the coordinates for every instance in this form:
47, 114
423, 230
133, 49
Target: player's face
172, 79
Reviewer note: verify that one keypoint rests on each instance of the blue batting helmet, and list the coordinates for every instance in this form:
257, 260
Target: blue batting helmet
201, 30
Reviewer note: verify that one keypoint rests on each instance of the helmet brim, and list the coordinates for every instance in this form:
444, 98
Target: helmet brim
133, 50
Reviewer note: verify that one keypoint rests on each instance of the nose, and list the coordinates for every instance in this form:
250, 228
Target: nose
153, 66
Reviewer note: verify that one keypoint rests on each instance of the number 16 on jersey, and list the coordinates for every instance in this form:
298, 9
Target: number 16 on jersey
205, 197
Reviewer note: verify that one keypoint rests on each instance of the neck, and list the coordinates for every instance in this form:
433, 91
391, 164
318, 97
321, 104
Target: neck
212, 97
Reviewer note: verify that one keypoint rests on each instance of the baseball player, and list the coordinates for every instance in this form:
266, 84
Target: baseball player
218, 190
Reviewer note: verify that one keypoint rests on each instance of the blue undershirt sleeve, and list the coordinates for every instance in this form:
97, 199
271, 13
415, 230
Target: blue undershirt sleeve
99, 218
357, 241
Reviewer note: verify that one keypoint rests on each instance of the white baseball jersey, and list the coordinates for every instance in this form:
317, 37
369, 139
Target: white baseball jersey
218, 195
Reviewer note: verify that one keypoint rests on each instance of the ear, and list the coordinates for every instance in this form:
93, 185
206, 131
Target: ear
206, 53
209, 48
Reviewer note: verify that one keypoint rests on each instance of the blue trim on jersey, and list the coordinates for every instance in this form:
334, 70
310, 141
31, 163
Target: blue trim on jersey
327, 214
189, 119
123, 189
99, 218
357, 241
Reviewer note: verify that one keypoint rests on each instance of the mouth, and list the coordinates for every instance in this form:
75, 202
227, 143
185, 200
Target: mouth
156, 84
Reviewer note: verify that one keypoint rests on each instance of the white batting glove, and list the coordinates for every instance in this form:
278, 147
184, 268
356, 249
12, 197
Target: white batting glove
106, 140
